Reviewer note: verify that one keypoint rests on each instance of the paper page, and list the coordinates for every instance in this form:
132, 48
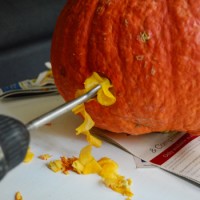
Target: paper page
141, 163
175, 152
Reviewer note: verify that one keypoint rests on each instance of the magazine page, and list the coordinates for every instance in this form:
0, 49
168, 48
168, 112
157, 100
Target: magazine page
175, 152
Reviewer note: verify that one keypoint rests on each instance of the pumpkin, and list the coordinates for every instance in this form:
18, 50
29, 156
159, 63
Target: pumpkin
148, 49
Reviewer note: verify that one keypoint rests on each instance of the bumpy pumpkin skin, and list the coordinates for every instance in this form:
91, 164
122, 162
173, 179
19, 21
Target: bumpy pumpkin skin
149, 49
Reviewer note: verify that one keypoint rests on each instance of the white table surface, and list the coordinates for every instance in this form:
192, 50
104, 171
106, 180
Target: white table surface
36, 182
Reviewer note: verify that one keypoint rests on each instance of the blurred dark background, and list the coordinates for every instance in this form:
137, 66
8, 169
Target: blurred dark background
26, 28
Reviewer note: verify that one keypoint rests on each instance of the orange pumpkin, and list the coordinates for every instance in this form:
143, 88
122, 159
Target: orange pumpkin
149, 50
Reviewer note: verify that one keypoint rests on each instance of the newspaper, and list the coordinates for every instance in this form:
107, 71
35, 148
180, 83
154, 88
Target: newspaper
42, 85
175, 152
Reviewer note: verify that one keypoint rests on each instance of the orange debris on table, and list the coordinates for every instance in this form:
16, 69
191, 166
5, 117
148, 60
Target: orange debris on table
44, 156
64, 164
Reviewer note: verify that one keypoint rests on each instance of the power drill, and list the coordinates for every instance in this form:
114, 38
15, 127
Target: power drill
15, 137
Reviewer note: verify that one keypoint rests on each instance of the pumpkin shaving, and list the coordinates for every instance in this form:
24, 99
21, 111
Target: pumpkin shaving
29, 156
18, 196
104, 97
86, 163
86, 126
112, 179
44, 156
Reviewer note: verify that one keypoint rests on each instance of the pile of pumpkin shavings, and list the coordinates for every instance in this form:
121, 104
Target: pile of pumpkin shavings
106, 168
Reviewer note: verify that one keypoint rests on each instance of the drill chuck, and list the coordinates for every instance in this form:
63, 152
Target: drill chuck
14, 141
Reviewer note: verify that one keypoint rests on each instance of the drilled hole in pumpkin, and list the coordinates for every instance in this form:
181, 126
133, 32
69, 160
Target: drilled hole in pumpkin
112, 90
101, 74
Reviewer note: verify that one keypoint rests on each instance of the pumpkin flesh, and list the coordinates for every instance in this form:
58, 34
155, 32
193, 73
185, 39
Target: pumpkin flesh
149, 50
